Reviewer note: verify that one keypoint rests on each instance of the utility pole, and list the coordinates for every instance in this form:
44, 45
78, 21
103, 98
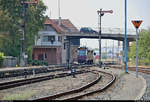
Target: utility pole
113, 52
106, 49
67, 44
101, 13
69, 53
25, 5
125, 37
118, 51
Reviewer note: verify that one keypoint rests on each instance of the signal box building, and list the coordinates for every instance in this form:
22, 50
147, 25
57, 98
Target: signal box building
49, 44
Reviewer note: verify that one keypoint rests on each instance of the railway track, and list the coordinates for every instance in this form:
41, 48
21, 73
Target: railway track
17, 83
48, 69
140, 69
52, 70
86, 90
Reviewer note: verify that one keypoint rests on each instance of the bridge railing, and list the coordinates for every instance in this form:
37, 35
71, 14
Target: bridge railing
111, 30
118, 31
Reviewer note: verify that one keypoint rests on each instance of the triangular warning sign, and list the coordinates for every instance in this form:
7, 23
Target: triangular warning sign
137, 23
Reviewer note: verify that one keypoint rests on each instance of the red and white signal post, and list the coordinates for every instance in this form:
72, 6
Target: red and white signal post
25, 4
101, 13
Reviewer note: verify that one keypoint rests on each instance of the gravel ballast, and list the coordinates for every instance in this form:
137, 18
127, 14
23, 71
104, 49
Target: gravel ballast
44, 88
126, 86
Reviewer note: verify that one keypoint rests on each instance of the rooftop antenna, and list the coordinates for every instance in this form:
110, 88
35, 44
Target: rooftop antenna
59, 8
59, 22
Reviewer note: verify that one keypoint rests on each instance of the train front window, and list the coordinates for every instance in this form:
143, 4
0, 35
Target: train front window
82, 53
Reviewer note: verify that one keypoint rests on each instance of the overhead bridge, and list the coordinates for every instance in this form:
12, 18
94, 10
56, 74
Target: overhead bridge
107, 33
119, 37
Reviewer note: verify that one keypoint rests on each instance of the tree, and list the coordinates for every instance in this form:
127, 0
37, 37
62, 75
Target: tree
1, 58
11, 12
143, 48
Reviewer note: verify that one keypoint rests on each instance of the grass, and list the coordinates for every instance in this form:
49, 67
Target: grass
19, 96
122, 73
140, 65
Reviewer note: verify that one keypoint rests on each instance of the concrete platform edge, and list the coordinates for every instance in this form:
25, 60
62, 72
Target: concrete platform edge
143, 89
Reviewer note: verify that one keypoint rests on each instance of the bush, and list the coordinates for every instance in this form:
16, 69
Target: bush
2, 57
37, 62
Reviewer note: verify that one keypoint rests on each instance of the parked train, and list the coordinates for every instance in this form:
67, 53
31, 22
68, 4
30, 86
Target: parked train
85, 56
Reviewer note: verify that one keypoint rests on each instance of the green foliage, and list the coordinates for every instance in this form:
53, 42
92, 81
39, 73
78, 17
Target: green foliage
26, 94
12, 18
38, 62
132, 52
143, 48
2, 57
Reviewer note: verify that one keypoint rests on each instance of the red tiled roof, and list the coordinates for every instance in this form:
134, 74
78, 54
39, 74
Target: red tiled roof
66, 25
57, 28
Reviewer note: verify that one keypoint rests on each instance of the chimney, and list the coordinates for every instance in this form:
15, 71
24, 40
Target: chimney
59, 21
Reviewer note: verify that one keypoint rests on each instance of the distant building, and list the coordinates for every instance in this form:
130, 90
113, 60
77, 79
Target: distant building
49, 45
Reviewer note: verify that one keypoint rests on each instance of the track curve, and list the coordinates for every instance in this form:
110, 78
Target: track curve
81, 89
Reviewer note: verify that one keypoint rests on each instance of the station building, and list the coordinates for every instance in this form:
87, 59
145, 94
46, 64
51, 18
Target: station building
49, 44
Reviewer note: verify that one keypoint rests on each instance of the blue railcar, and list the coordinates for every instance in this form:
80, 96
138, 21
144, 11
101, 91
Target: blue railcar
82, 54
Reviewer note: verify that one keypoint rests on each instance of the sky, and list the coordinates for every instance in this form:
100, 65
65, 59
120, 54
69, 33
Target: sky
83, 13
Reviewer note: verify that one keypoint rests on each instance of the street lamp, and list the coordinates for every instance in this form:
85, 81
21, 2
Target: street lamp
25, 5
101, 13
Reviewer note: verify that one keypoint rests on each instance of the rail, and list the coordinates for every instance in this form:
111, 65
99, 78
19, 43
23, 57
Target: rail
81, 89
17, 83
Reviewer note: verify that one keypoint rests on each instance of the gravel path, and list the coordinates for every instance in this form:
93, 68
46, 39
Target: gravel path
50, 87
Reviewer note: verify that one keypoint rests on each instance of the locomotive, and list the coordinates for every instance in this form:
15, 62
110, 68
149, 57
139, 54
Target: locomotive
85, 56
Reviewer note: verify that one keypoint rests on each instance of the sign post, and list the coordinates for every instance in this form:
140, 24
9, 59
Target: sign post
137, 24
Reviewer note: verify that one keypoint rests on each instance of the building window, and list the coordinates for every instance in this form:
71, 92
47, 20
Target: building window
32, 56
45, 55
48, 27
40, 57
49, 39
60, 38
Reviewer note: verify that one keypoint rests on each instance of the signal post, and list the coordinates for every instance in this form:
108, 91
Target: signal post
101, 13
25, 4
137, 24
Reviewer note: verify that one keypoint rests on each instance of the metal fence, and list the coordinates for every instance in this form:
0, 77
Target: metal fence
10, 61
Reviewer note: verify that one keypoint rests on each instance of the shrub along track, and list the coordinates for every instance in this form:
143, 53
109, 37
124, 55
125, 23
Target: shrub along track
89, 89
